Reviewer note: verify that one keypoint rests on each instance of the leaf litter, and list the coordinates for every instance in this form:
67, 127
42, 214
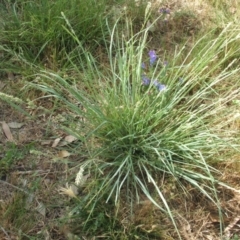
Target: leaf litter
15, 125
7, 131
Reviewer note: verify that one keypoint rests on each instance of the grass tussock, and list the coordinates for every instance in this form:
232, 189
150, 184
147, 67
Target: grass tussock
148, 119
151, 93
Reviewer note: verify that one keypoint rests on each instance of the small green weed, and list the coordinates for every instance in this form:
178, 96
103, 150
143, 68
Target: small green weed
100, 222
11, 154
235, 237
104, 221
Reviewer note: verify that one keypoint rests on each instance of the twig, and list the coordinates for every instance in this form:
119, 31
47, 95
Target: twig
8, 237
33, 171
14, 187
19, 189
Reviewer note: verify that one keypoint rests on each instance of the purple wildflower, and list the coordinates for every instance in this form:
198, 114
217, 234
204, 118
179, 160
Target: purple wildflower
165, 63
164, 10
153, 57
143, 66
181, 80
160, 87
155, 83
145, 80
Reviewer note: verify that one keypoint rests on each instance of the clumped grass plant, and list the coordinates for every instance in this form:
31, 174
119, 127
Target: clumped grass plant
147, 117
35, 29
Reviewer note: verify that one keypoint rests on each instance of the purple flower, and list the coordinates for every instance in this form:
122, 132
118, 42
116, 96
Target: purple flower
165, 63
143, 66
160, 87
155, 83
153, 57
181, 80
164, 10
145, 80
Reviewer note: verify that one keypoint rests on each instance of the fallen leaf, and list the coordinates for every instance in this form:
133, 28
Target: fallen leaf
46, 142
7, 131
68, 139
41, 208
56, 142
15, 125
63, 154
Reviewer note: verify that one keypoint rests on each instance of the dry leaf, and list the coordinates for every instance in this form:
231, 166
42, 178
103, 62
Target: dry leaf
15, 125
68, 139
7, 131
41, 208
63, 154
46, 142
56, 142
